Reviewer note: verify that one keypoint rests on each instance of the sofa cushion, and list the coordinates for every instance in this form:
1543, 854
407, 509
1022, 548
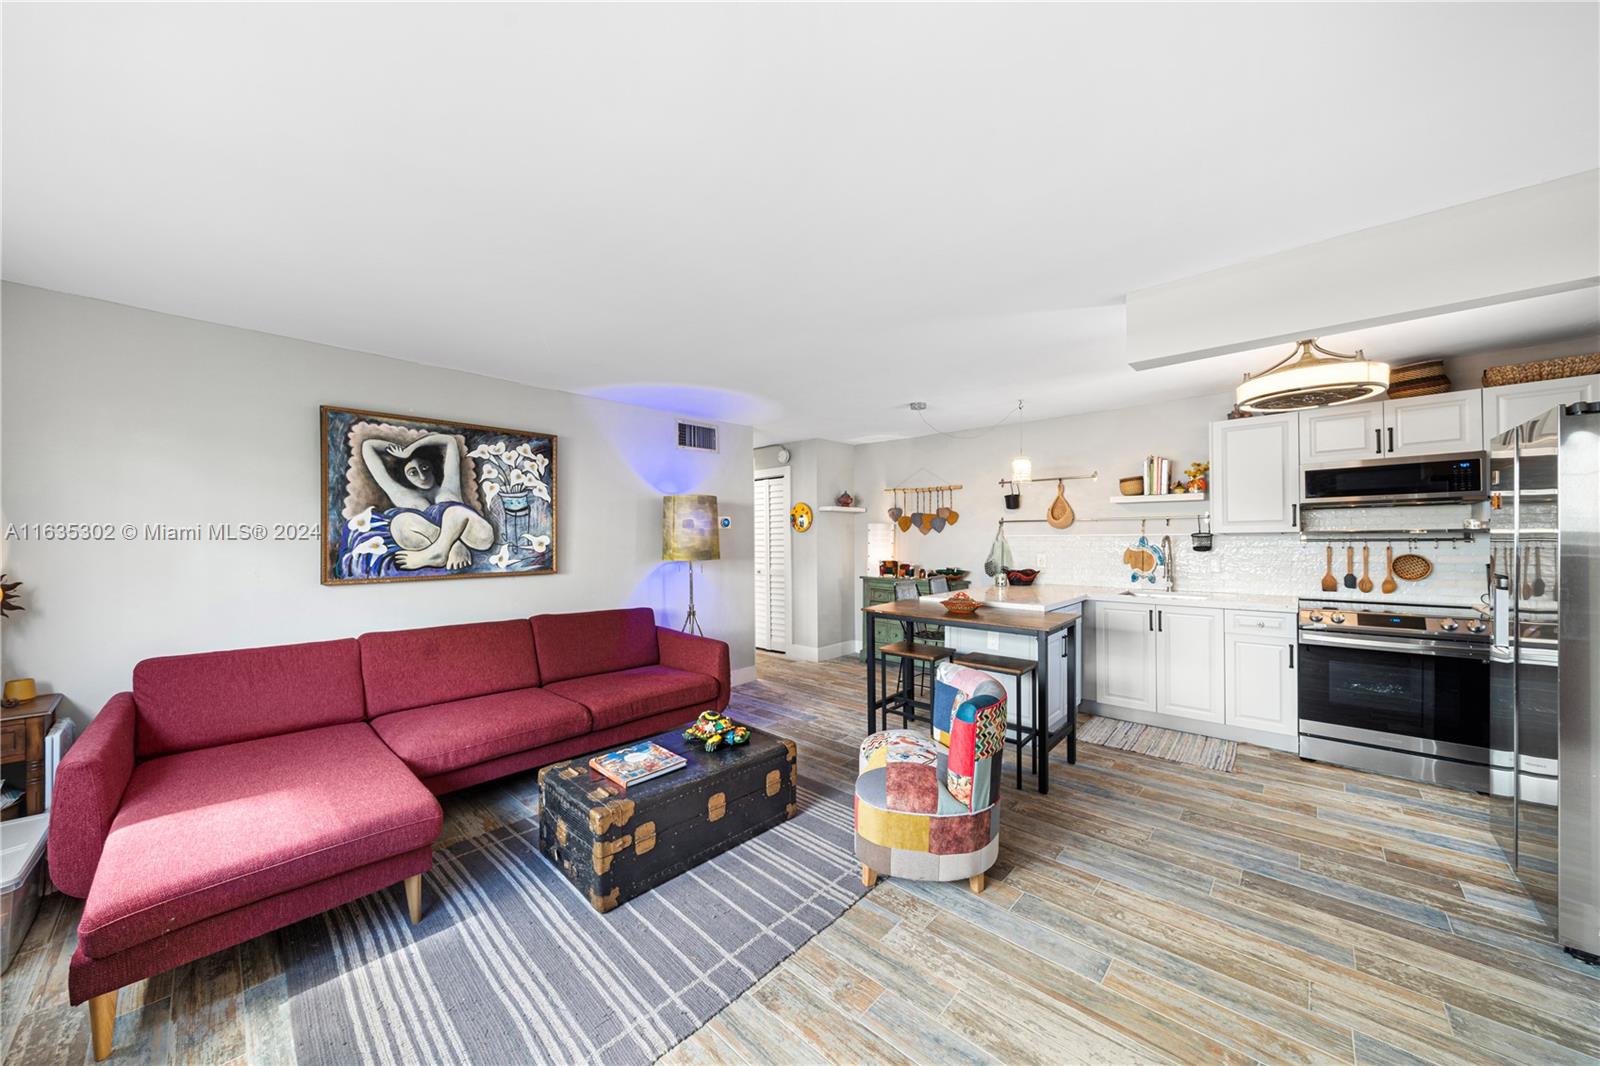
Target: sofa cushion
448, 736
417, 667
203, 832
221, 697
625, 695
594, 642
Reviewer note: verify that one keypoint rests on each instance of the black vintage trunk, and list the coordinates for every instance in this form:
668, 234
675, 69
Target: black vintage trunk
616, 843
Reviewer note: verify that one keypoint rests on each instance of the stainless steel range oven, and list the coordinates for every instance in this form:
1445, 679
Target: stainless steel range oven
1397, 689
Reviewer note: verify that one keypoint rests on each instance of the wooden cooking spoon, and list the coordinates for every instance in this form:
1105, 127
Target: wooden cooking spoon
1329, 582
1365, 584
1388, 585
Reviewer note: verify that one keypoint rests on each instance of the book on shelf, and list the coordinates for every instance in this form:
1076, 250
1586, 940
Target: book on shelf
636, 763
1157, 475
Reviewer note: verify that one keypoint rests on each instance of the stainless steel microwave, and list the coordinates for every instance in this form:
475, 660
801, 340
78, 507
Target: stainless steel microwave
1409, 479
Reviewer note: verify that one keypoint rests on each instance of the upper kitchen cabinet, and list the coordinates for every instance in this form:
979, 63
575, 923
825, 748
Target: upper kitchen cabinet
1349, 431
1420, 425
1255, 474
1433, 425
1505, 406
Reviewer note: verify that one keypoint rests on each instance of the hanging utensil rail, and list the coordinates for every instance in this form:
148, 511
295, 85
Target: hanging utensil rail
1197, 519
1093, 475
924, 488
1390, 536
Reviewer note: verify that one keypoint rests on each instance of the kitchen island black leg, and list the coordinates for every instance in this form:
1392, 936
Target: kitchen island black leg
872, 673
1041, 710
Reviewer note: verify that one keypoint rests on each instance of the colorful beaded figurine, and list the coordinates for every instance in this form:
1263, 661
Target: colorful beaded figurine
714, 728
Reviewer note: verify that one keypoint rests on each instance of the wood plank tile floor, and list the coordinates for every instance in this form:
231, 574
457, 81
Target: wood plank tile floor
1143, 911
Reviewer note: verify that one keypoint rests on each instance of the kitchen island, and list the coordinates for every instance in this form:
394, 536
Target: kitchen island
1050, 635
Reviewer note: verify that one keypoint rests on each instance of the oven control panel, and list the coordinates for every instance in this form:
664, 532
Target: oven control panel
1467, 624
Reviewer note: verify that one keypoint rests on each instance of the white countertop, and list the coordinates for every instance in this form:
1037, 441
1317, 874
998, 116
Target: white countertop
1060, 597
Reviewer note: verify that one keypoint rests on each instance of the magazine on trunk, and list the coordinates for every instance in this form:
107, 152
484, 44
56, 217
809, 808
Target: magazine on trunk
636, 763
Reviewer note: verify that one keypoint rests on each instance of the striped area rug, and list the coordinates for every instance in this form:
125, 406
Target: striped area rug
512, 965
1208, 753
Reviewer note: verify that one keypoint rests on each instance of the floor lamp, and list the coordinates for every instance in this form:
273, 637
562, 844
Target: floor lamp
689, 534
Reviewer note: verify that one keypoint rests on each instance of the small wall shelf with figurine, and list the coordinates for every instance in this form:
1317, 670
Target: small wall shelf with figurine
842, 510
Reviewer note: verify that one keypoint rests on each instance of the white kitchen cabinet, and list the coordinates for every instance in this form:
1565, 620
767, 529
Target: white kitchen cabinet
1189, 664
1124, 638
1255, 474
1259, 671
1349, 431
1432, 425
1505, 406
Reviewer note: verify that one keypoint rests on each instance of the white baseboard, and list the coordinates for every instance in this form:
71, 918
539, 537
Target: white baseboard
743, 676
806, 654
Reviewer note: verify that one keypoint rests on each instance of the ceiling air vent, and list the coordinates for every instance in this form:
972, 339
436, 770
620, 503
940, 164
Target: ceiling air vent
697, 438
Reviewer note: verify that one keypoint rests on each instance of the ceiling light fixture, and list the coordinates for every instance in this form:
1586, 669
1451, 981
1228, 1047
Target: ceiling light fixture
1312, 376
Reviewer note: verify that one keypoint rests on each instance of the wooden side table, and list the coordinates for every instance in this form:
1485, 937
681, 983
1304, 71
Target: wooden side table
22, 730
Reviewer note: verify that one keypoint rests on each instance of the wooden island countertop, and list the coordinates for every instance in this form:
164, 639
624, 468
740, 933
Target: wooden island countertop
998, 618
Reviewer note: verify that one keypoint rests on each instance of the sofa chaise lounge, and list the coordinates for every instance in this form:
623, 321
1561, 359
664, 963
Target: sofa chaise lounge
236, 792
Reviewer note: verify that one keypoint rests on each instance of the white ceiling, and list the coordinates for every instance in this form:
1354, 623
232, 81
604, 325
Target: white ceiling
799, 217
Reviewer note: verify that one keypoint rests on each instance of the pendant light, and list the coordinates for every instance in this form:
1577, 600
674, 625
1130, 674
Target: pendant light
1312, 376
1021, 466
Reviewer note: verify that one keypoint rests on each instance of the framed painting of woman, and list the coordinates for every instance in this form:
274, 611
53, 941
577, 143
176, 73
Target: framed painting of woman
411, 499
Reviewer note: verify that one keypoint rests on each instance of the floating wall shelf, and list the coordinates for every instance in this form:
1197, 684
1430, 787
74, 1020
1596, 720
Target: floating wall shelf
843, 510
1170, 497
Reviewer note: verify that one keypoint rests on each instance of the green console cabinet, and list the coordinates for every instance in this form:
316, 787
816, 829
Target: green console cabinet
881, 590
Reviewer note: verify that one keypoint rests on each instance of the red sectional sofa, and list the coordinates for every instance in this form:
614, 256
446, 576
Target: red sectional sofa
232, 793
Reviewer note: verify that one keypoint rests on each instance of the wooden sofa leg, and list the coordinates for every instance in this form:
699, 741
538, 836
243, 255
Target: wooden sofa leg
414, 897
976, 882
102, 1022
869, 876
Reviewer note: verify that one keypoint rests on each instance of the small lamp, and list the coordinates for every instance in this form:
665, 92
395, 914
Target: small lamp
689, 534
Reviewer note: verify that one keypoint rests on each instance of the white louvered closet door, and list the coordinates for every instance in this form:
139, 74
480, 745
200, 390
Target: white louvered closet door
772, 563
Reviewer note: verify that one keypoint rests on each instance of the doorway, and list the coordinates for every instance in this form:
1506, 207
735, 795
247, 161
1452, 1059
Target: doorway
771, 518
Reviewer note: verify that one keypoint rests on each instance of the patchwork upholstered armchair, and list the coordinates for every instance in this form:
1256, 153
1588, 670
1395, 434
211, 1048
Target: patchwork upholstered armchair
927, 807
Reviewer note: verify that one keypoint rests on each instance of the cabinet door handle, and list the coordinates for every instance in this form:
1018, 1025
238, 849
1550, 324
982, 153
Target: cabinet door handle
1291, 656
1160, 623
1294, 515
1152, 619
1391, 438
1379, 434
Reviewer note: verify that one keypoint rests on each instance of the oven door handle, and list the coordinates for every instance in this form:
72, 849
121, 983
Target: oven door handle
1399, 645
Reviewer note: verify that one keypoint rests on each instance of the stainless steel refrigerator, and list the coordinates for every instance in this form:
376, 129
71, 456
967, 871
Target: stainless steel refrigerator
1544, 519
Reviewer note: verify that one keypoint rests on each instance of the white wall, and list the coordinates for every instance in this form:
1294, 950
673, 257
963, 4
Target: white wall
120, 415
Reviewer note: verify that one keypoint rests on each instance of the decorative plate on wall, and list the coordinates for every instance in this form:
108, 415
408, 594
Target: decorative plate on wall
800, 517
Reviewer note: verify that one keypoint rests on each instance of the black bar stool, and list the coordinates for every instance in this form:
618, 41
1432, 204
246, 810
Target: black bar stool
917, 661
1022, 670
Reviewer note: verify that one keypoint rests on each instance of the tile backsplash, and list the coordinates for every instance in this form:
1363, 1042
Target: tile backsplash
1274, 564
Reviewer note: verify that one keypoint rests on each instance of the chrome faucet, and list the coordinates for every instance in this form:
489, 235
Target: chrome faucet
1166, 564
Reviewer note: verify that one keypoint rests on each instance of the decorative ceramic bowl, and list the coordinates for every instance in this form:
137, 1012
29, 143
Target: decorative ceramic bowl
961, 603
1021, 577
